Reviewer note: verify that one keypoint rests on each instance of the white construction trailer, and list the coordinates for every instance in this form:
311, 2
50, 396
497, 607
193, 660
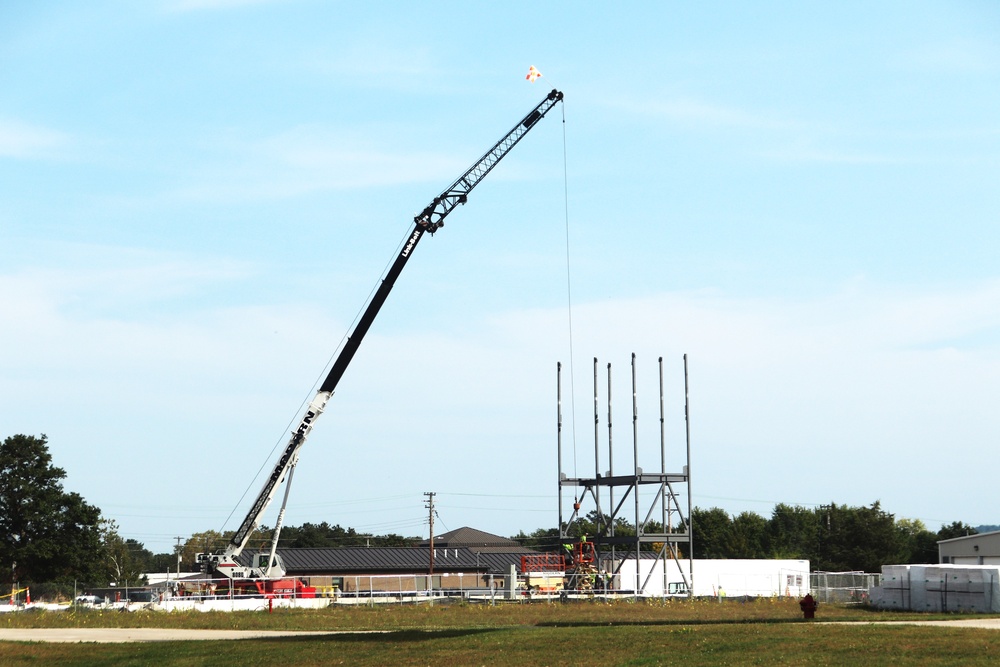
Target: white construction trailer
714, 577
938, 588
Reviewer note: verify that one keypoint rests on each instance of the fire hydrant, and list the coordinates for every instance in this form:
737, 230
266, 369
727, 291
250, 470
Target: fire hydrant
808, 605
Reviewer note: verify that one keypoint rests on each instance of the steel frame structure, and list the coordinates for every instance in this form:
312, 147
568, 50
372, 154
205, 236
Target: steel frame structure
670, 502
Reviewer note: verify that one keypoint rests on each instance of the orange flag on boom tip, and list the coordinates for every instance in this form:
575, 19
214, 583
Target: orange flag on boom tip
532, 74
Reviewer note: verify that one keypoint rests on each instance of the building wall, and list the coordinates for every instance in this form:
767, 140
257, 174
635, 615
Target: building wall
981, 549
389, 583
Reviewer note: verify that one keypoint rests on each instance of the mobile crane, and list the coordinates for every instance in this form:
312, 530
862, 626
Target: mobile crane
266, 575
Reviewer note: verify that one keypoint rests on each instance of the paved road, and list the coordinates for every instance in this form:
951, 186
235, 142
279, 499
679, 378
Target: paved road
989, 623
123, 635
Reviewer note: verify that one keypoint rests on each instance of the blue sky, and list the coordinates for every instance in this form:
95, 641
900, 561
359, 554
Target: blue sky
199, 195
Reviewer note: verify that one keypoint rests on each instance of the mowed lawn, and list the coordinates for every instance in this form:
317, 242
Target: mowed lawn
764, 632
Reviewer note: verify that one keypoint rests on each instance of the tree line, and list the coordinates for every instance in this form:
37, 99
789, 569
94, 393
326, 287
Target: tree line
54, 536
833, 538
48, 534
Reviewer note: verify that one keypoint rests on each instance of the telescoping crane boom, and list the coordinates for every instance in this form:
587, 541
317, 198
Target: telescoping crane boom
431, 219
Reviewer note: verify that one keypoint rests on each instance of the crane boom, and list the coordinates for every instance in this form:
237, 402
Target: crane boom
429, 220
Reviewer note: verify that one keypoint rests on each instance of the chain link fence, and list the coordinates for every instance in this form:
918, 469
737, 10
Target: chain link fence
843, 587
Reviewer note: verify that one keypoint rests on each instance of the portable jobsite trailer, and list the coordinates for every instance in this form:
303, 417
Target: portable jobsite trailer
714, 577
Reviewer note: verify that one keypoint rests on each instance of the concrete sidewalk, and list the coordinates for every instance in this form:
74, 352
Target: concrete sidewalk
123, 635
988, 623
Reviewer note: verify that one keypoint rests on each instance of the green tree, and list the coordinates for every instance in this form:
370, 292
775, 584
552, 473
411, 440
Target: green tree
124, 560
918, 544
207, 541
857, 538
624, 528
542, 539
163, 562
318, 535
711, 532
747, 536
587, 525
792, 532
391, 540
50, 534
955, 529
323, 535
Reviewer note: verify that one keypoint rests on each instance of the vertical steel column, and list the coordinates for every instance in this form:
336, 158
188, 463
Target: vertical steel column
687, 471
597, 457
559, 440
663, 456
664, 512
638, 470
611, 467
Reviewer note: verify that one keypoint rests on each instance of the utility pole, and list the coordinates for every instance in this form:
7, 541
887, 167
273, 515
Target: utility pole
178, 549
430, 507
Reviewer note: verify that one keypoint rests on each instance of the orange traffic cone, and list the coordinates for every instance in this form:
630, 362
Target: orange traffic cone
27, 594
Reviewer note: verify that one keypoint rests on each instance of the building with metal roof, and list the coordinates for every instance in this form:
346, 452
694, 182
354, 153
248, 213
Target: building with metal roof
977, 549
461, 559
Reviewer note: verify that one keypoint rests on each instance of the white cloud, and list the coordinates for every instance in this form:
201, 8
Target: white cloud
694, 111
787, 139
377, 63
107, 277
832, 156
861, 395
844, 397
801, 400
211, 5
27, 141
310, 159
875, 353
956, 57
113, 310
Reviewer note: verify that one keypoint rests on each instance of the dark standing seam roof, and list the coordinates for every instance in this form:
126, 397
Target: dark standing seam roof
376, 560
471, 537
393, 560
499, 562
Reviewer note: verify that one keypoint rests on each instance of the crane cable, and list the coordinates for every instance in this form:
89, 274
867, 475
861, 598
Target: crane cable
569, 293
281, 439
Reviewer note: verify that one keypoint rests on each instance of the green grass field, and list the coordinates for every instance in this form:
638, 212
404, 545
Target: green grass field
763, 632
